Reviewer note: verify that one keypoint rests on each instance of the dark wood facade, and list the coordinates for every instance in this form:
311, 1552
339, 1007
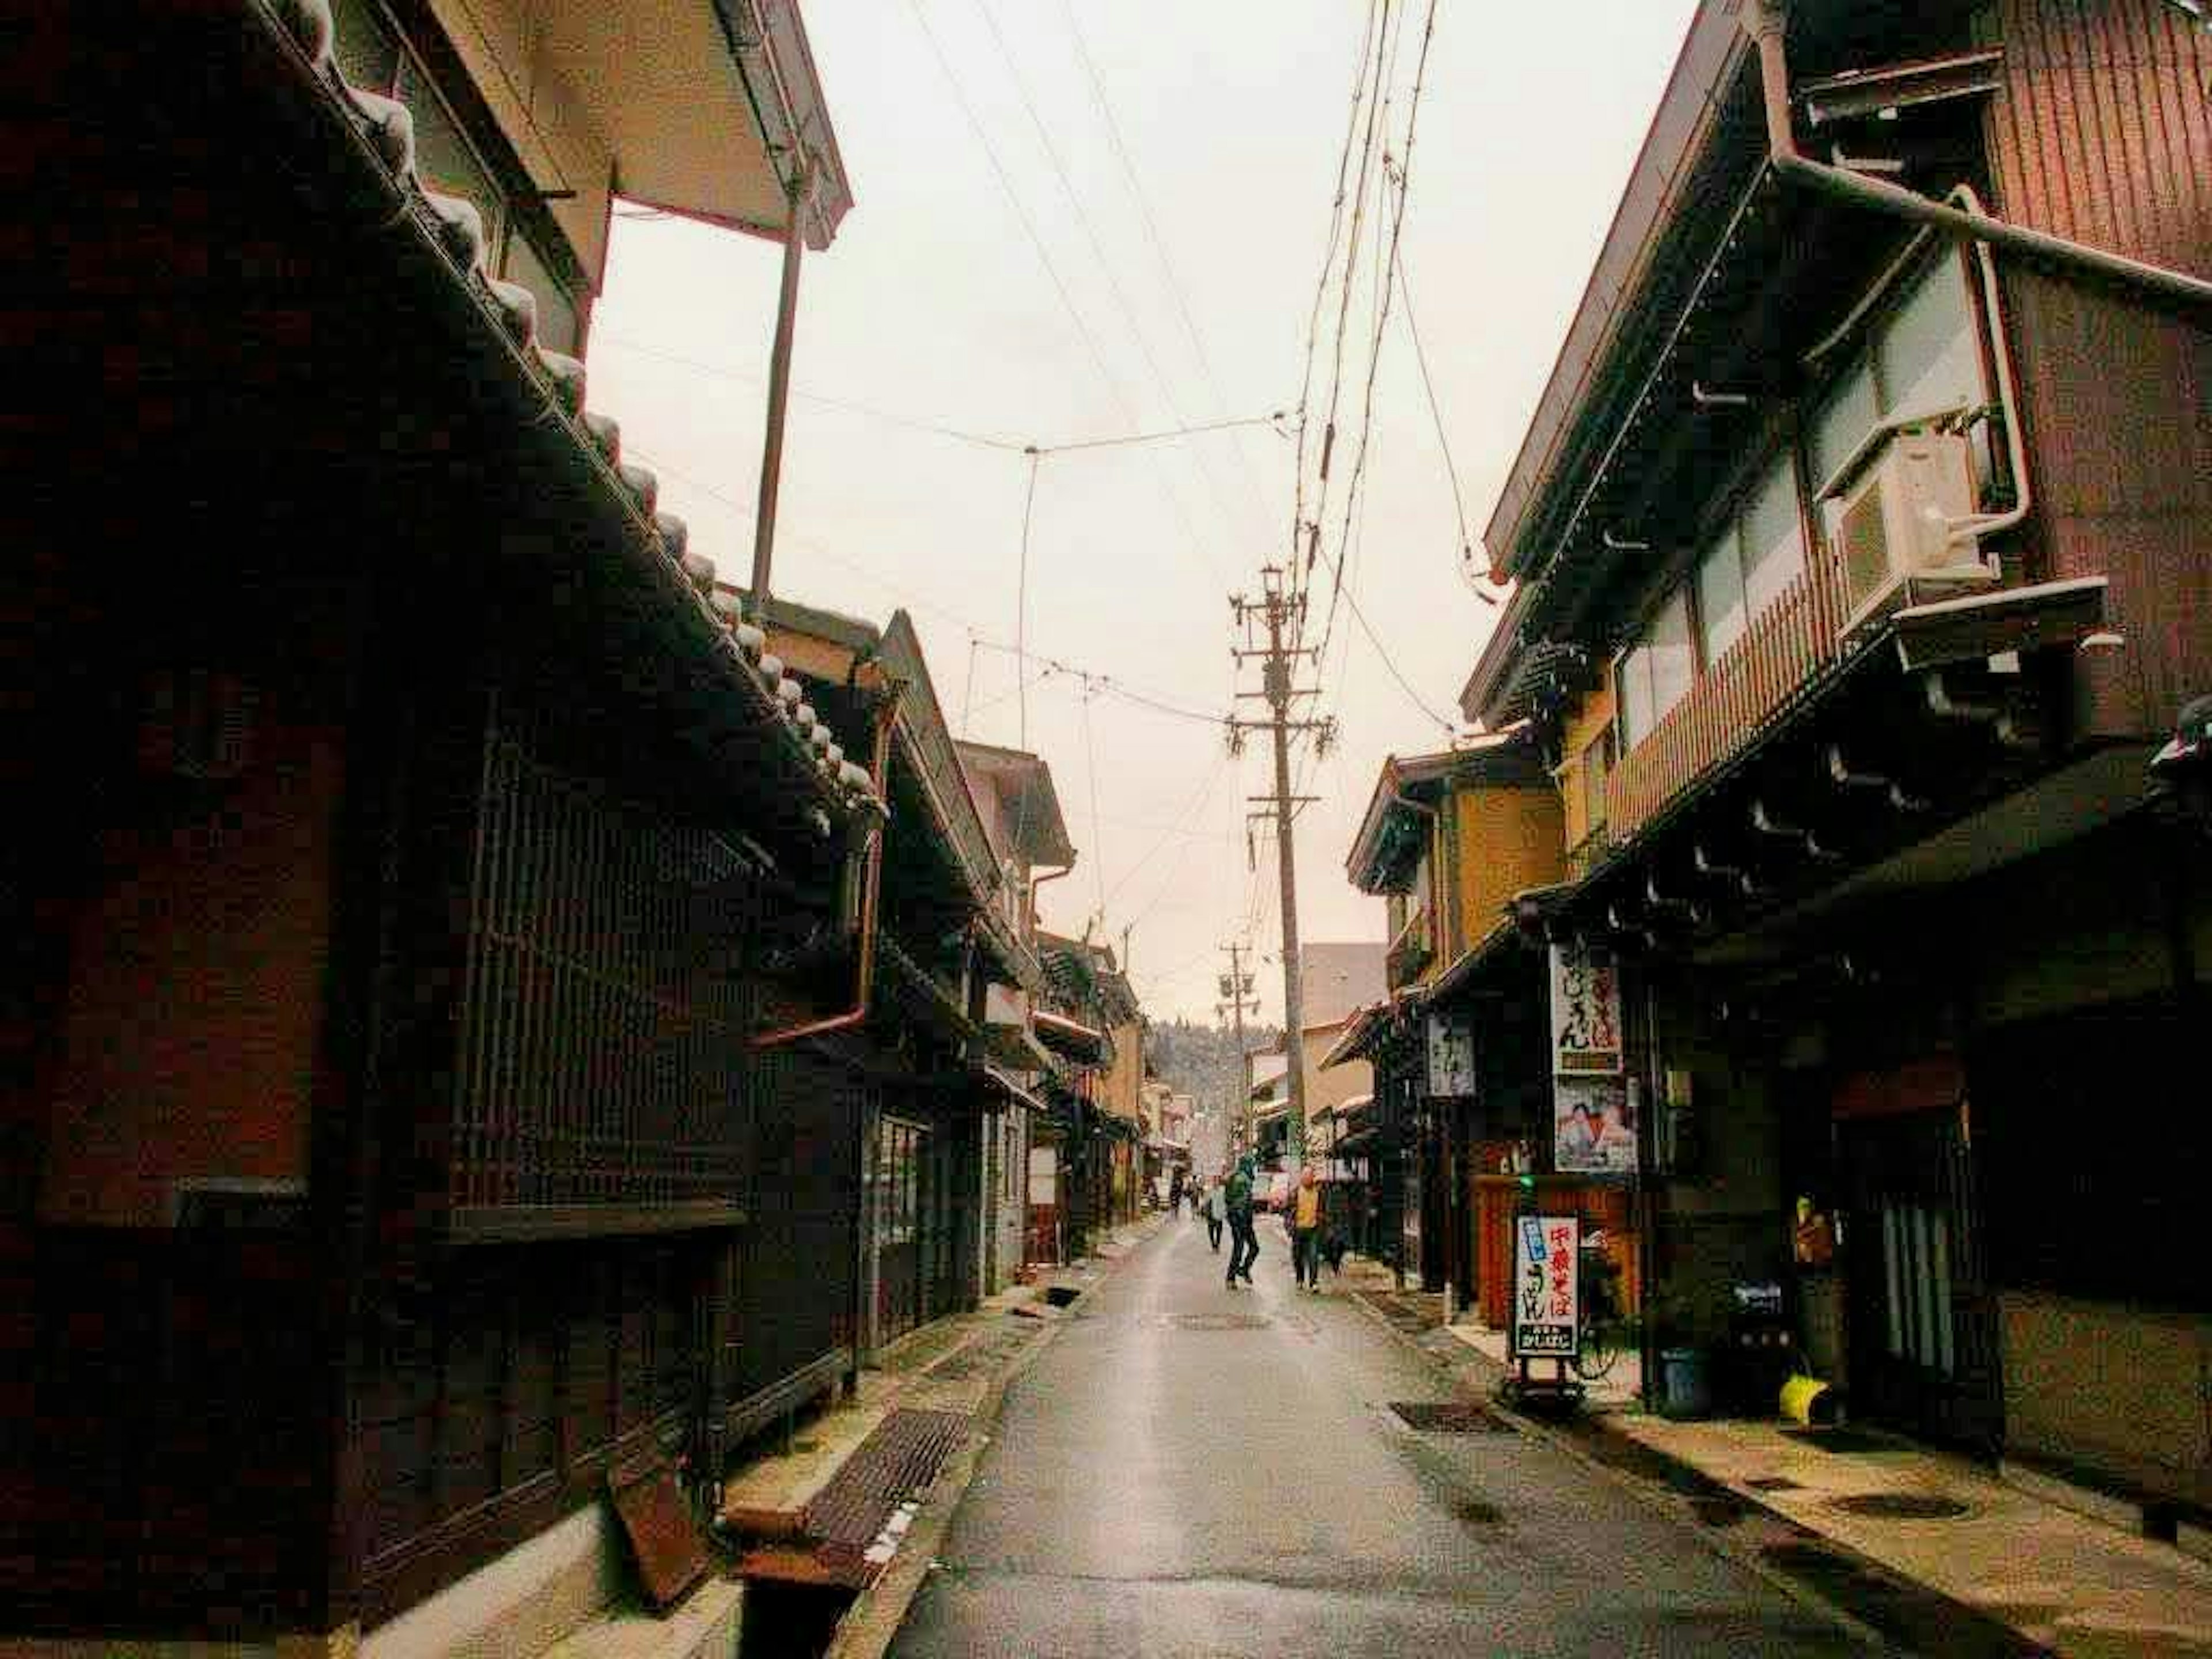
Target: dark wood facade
384, 1136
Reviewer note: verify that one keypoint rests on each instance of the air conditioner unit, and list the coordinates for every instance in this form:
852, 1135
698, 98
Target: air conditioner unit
1894, 532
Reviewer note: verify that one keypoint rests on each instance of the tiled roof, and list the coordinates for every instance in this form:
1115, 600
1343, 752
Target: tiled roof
453, 227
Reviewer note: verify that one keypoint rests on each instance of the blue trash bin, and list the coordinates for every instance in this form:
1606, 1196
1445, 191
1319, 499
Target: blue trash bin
1686, 1386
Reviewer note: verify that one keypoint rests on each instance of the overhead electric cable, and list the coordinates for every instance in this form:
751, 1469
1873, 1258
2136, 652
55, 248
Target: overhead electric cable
1175, 287
1104, 259
1367, 48
1044, 254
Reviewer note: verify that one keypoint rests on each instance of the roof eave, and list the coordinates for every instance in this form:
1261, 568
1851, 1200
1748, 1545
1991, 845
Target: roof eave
1713, 53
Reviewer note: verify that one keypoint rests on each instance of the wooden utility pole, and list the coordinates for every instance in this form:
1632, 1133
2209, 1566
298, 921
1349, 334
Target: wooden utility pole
1236, 997
1281, 612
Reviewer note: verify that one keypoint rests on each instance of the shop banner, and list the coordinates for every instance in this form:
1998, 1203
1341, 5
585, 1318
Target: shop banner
1545, 1293
1585, 1010
1451, 1054
1593, 1126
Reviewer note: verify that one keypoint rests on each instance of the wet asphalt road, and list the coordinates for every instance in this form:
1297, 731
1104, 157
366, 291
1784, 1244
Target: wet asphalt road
1163, 1484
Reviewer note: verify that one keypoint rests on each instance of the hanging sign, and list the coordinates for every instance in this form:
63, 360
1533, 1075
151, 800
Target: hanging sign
1545, 1301
1585, 1010
1451, 1054
1593, 1126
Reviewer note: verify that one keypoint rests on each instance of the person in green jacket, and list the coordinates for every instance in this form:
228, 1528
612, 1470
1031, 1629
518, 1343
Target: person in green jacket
1244, 1249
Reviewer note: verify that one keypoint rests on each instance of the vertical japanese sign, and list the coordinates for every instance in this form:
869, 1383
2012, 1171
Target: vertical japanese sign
1585, 1010
1451, 1054
1545, 1294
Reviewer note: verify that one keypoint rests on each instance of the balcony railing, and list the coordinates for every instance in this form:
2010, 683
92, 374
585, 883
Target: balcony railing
1784, 647
1410, 952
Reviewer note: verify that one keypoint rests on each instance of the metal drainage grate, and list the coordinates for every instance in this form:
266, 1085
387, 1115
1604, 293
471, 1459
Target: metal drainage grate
1214, 1321
1901, 1506
1446, 1417
1773, 1483
1477, 1512
899, 1460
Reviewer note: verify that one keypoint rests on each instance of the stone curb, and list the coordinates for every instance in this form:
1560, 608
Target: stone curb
870, 1624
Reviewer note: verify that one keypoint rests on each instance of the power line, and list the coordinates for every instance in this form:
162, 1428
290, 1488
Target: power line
1272, 418
1052, 271
1105, 262
1105, 104
1386, 268
1443, 437
1321, 282
1367, 147
602, 336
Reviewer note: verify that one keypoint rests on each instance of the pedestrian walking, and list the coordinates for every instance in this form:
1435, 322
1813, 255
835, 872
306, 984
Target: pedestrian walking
1175, 1191
1244, 1247
1305, 1231
1216, 1209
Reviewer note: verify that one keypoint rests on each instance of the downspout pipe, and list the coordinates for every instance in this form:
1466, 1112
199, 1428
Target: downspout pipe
779, 383
1036, 882
870, 887
1766, 21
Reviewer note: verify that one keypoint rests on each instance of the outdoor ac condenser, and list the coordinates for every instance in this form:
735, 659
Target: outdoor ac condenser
1895, 527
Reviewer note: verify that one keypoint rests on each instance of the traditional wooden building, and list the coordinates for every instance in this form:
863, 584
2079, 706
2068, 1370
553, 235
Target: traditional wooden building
420, 851
1461, 1099
1859, 539
925, 1100
1013, 790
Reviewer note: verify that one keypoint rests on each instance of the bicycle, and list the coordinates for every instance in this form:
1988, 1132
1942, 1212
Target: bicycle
1604, 1332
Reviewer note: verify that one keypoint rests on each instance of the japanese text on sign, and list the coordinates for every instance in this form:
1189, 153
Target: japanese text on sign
1585, 1009
1546, 1307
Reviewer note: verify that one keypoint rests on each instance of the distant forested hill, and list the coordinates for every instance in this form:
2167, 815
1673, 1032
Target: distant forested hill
1199, 1060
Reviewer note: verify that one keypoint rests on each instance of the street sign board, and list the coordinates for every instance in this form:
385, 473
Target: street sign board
1545, 1292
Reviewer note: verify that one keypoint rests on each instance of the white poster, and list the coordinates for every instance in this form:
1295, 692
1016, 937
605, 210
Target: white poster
1585, 1010
1451, 1054
1545, 1293
1593, 1126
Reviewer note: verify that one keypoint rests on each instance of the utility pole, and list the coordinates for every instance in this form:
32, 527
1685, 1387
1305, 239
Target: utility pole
1281, 613
1236, 999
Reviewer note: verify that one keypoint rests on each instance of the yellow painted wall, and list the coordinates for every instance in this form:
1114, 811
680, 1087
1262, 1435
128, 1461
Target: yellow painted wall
540, 113
1507, 839
1119, 1092
1583, 728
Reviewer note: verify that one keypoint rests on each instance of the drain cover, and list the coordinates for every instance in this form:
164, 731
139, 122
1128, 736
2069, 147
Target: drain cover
1446, 1417
1477, 1511
1901, 1506
1215, 1322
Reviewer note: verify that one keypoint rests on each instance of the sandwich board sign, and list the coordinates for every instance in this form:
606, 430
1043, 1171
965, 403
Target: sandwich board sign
1545, 1293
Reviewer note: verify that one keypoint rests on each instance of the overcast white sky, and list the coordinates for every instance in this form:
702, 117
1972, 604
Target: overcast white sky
934, 307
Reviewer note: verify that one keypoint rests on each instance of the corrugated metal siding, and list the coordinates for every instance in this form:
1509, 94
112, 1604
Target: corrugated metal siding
2102, 132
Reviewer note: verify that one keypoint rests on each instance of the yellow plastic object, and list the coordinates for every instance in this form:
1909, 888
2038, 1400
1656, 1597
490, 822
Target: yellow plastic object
1800, 1395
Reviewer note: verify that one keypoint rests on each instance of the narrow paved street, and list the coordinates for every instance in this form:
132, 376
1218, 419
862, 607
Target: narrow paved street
1189, 1470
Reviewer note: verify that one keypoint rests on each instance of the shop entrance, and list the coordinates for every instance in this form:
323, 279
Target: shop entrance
1923, 1321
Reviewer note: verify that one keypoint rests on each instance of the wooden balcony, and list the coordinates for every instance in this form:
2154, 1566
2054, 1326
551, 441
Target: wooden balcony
1410, 952
1784, 649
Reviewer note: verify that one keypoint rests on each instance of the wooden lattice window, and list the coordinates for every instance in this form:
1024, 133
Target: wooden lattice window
604, 1032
